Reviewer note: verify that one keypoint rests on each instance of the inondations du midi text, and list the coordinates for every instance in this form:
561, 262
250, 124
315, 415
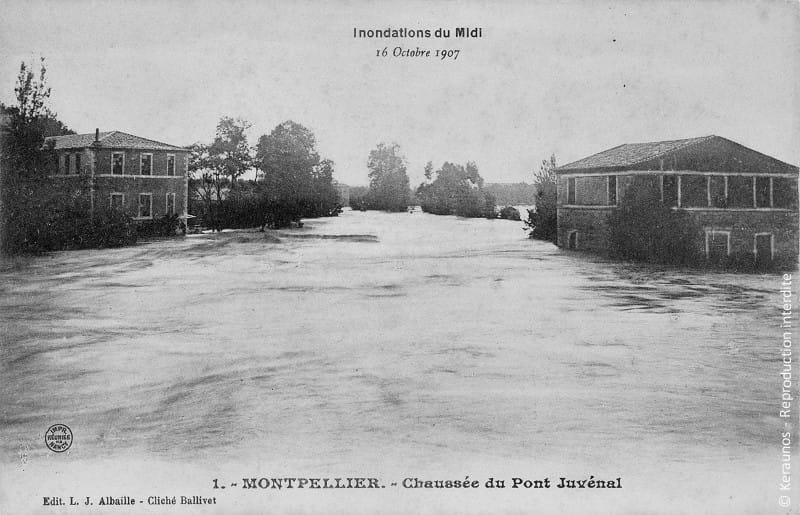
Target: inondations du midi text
404, 32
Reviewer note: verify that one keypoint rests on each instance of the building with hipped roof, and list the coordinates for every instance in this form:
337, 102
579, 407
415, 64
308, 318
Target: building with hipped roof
745, 202
146, 179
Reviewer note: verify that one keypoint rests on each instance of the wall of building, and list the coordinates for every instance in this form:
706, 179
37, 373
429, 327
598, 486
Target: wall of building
130, 187
744, 225
131, 183
132, 160
590, 222
67, 164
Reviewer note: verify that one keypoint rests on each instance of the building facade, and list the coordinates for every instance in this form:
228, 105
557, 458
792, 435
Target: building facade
745, 202
144, 178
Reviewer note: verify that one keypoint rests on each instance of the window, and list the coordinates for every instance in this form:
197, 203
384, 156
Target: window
145, 205
763, 192
77, 163
669, 190
784, 192
694, 191
170, 164
717, 190
612, 190
594, 190
570, 191
117, 201
63, 164
117, 163
146, 164
740, 191
170, 203
718, 245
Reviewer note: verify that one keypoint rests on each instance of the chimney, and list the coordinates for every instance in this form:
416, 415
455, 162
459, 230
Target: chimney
97, 135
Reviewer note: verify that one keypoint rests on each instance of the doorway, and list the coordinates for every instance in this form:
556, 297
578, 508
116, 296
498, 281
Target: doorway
763, 249
718, 246
572, 243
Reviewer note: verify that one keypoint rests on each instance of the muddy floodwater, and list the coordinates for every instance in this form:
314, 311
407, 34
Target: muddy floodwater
395, 346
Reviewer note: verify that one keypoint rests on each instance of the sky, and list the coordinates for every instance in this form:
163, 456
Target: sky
565, 77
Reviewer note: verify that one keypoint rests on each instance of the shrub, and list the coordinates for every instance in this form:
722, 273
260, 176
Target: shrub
642, 228
542, 220
509, 213
167, 225
112, 228
358, 203
42, 218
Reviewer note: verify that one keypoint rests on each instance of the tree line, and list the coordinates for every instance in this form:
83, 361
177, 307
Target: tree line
291, 181
452, 189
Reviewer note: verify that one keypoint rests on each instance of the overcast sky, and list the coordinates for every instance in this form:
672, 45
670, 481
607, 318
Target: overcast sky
572, 78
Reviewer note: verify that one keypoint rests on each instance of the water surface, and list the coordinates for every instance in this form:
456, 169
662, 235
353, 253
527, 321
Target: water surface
395, 343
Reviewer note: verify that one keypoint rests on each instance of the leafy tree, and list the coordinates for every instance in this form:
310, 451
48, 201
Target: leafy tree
429, 170
217, 166
324, 198
205, 183
456, 190
389, 186
229, 154
30, 121
473, 175
542, 221
297, 183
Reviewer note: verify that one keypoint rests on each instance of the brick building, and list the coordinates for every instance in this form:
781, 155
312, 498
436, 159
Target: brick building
145, 178
745, 202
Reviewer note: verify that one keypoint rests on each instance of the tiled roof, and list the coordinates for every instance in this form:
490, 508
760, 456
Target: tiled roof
73, 140
630, 154
113, 139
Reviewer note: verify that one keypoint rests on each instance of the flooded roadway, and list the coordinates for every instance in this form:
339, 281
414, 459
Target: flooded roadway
399, 344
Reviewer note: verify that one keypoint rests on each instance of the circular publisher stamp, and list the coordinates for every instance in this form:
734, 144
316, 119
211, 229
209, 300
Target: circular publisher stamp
58, 437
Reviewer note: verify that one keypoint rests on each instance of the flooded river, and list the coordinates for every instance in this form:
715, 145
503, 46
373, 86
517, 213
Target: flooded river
392, 346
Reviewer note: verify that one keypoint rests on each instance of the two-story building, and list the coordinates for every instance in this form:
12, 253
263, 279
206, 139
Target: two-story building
745, 202
146, 179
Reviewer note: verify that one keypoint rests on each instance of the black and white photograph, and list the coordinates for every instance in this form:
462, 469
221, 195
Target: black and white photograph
423, 257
